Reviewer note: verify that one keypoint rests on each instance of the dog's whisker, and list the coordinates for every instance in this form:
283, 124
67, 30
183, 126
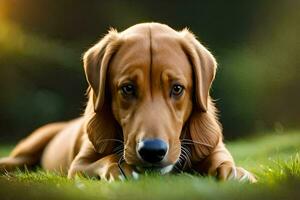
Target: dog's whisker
178, 165
111, 139
188, 161
119, 154
187, 141
183, 152
182, 159
186, 154
118, 148
185, 158
179, 170
120, 167
119, 151
187, 151
181, 163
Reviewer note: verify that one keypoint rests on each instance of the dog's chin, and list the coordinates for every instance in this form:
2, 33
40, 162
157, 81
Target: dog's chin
156, 169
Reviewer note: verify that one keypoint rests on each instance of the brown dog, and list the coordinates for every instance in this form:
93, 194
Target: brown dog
148, 108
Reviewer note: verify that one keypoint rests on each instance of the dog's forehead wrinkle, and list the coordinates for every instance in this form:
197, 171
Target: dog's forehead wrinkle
130, 73
173, 75
132, 48
151, 60
168, 55
152, 48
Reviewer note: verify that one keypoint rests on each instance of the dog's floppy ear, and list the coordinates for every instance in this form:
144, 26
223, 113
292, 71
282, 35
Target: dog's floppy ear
205, 130
101, 126
203, 126
96, 61
204, 67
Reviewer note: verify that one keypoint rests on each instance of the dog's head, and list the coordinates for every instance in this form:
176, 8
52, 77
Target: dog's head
150, 89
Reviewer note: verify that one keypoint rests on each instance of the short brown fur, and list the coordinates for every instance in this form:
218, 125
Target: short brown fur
153, 56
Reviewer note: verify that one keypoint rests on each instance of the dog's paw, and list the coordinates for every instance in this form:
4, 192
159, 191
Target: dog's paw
230, 172
114, 172
8, 164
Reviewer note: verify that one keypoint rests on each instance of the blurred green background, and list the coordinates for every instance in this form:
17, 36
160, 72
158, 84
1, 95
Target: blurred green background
256, 44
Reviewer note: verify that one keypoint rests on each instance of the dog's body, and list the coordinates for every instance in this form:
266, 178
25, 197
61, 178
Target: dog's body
148, 107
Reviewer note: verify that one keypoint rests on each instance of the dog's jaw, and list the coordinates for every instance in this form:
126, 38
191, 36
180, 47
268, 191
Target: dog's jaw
167, 169
161, 170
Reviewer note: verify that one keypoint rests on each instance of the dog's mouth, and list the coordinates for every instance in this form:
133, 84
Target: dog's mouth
154, 168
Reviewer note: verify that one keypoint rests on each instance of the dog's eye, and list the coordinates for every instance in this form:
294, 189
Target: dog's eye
177, 90
128, 90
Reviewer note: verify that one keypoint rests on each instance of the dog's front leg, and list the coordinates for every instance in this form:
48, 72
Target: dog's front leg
221, 165
108, 168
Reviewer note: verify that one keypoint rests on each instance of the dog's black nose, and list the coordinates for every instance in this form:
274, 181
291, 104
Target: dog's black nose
152, 150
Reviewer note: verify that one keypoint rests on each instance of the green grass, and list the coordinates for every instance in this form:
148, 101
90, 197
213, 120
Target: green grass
274, 158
